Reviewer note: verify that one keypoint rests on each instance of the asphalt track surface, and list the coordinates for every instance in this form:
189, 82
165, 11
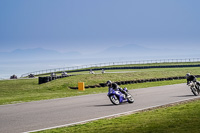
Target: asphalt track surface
47, 114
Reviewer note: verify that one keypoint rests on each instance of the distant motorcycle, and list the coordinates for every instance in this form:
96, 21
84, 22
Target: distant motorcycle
194, 86
117, 97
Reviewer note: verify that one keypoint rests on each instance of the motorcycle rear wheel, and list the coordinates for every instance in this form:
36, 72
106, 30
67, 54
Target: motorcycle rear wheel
114, 99
130, 98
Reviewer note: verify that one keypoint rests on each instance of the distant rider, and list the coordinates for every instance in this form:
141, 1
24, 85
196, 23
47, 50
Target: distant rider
115, 87
190, 78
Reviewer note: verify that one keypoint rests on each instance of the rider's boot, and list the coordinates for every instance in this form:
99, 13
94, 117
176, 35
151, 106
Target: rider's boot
126, 94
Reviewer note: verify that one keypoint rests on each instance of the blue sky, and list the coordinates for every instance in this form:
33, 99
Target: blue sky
94, 25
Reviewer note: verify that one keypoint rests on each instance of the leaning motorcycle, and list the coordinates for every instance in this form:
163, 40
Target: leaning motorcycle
194, 86
117, 97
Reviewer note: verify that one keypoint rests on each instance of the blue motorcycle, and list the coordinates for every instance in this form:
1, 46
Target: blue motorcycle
117, 97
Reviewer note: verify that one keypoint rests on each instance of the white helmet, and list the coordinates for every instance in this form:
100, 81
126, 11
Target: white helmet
187, 75
108, 82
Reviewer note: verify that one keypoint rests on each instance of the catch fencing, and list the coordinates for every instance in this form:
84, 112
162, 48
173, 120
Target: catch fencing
73, 68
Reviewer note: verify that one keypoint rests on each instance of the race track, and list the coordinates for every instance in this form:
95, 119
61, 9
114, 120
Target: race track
32, 116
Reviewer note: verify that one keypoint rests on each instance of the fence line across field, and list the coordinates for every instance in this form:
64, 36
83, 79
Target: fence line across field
110, 64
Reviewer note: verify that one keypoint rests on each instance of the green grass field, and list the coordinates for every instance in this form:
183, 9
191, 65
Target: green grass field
25, 90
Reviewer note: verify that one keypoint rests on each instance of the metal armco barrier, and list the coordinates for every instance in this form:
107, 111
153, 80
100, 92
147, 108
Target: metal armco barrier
104, 65
138, 67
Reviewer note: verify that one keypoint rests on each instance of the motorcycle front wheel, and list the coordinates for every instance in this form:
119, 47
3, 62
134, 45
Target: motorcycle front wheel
194, 91
114, 99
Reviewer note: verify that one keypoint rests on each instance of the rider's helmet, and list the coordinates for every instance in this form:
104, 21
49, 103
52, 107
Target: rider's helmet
187, 75
108, 83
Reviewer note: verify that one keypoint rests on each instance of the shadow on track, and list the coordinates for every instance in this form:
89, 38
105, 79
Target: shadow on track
124, 103
103, 105
185, 96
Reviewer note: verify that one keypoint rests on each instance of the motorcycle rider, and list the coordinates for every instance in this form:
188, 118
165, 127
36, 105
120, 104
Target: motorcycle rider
115, 87
191, 78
